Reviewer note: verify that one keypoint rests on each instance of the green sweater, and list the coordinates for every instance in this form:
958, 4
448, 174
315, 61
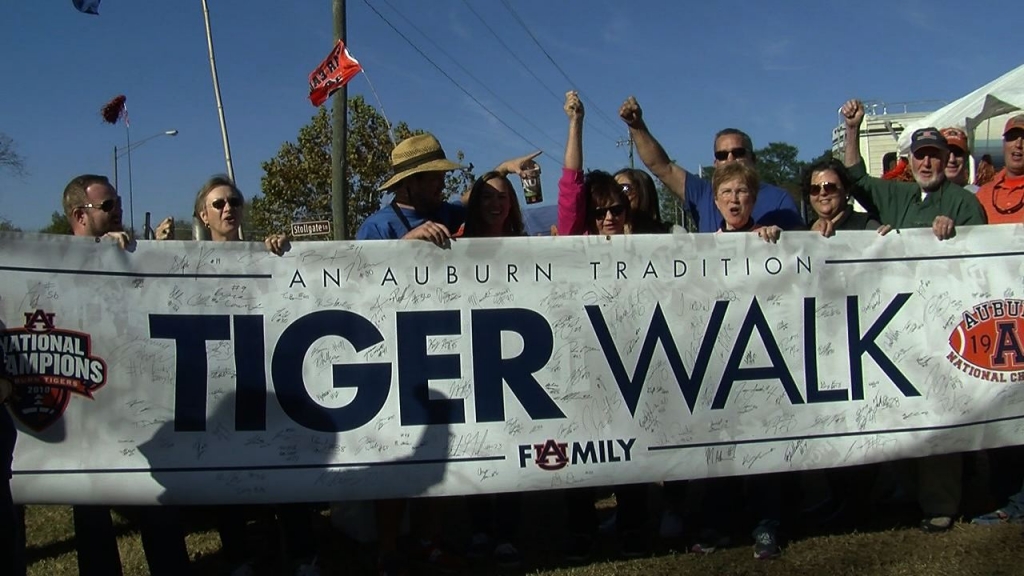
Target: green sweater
900, 205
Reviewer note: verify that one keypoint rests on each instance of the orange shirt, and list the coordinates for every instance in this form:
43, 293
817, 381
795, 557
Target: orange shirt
1003, 199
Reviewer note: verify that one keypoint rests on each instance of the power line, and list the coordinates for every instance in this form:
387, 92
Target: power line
470, 74
559, 99
515, 15
453, 81
512, 52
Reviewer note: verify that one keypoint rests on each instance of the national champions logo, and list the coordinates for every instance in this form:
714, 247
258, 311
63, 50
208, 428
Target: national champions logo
47, 365
986, 344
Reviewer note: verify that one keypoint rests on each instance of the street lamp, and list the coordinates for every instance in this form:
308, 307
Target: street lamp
127, 151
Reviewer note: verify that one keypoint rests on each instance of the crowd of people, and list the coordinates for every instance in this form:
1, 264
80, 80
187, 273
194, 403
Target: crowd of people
925, 190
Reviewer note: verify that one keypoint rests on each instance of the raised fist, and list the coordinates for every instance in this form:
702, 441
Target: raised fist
573, 105
631, 113
853, 113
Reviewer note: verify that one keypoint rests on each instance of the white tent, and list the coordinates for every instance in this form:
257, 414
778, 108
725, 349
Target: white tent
1000, 96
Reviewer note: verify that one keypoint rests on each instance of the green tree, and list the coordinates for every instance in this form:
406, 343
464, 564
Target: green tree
8, 226
58, 224
778, 164
296, 184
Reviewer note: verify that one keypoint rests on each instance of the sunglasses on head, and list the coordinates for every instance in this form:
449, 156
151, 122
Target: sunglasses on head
107, 205
627, 188
219, 203
600, 213
737, 153
828, 187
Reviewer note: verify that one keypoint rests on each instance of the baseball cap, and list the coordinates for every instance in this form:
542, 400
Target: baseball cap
956, 137
1015, 122
928, 138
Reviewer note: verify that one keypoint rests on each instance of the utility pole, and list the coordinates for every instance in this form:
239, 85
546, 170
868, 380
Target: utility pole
339, 192
629, 142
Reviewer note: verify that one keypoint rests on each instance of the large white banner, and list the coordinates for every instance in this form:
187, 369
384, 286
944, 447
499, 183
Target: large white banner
201, 372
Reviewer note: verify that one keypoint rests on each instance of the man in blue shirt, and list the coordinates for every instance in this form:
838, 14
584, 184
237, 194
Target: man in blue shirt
418, 211
774, 206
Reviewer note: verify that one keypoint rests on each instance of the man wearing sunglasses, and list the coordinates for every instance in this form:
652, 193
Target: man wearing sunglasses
958, 166
773, 207
93, 208
1003, 197
931, 201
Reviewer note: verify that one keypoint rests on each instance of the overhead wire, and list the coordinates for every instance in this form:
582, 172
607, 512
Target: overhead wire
559, 99
455, 82
471, 76
515, 15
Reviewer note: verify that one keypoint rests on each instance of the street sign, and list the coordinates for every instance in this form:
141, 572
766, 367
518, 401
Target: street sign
312, 228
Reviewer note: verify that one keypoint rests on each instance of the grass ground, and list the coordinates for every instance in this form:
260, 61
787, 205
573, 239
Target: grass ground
894, 551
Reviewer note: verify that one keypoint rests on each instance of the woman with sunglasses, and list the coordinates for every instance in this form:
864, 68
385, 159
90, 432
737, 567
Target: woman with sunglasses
220, 206
591, 204
643, 202
597, 203
826, 185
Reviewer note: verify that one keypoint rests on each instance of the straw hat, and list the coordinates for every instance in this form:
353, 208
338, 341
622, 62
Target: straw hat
417, 154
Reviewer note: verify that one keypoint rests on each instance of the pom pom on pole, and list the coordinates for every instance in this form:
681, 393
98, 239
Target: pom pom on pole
113, 111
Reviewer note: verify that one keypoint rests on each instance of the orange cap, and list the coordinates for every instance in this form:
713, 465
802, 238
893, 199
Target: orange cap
956, 137
1015, 122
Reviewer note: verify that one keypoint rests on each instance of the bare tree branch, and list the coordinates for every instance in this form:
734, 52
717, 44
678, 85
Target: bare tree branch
10, 160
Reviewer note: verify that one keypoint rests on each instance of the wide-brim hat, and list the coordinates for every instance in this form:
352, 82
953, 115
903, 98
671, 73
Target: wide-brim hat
422, 153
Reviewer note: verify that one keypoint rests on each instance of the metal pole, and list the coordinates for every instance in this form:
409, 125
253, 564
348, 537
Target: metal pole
216, 93
339, 192
131, 193
115, 167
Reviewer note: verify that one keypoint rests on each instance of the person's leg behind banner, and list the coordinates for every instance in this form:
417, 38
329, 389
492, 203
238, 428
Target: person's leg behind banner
12, 542
163, 540
631, 519
95, 541
581, 524
939, 482
295, 522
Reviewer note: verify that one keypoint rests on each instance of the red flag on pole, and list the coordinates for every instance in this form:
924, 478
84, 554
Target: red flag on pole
333, 73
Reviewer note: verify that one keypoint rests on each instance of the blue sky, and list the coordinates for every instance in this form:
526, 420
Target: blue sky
778, 70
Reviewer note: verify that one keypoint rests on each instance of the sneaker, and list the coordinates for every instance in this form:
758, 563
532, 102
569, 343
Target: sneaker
438, 558
708, 541
766, 544
507, 556
633, 544
936, 524
998, 517
579, 547
308, 568
480, 546
671, 525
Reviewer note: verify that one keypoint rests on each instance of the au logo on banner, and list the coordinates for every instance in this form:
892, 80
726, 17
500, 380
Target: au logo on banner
986, 343
48, 365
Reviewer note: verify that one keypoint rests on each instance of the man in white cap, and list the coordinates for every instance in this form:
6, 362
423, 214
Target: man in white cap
418, 211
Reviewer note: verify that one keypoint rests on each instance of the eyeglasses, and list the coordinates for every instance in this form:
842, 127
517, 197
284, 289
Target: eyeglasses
828, 187
956, 151
601, 213
107, 205
219, 203
737, 153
